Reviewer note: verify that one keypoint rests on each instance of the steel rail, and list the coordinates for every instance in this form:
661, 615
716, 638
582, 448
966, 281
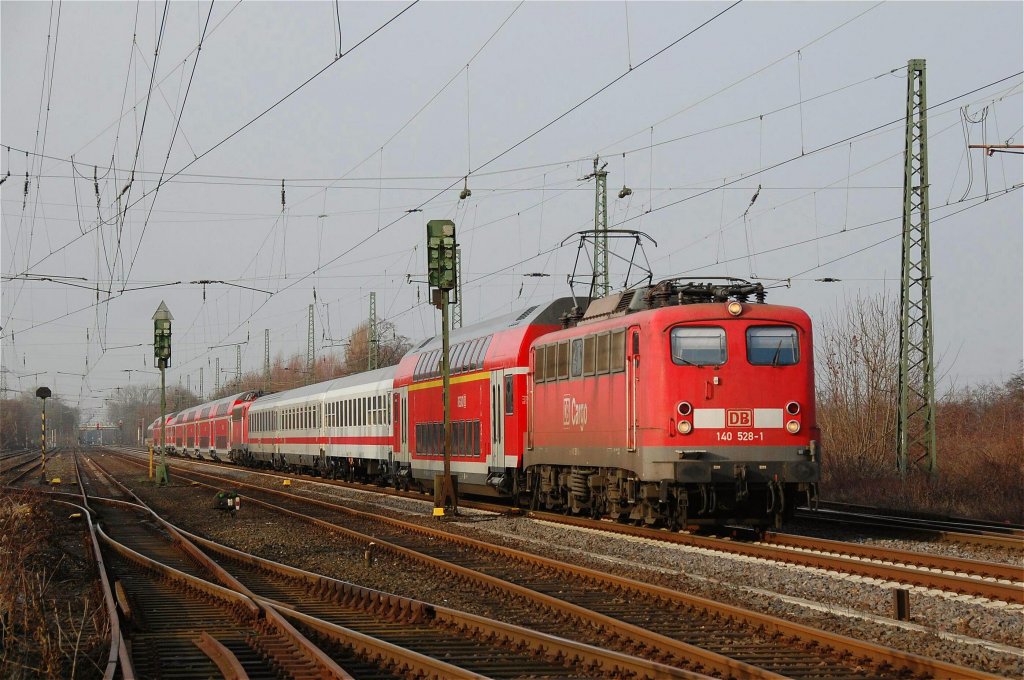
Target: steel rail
860, 649
263, 617
227, 663
410, 609
1005, 592
258, 616
642, 638
988, 539
375, 648
977, 568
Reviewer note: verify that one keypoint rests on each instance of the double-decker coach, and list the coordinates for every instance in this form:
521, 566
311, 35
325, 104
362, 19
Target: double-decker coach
489, 361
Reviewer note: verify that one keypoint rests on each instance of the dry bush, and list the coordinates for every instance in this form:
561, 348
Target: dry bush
52, 622
979, 435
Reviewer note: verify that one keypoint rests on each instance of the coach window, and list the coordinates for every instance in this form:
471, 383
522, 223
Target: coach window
772, 346
510, 401
480, 354
576, 362
617, 351
698, 346
462, 356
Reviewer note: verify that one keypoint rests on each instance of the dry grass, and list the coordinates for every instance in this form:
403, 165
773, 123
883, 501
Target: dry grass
52, 623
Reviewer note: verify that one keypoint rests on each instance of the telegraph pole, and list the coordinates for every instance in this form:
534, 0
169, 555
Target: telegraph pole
600, 286
372, 339
916, 426
441, 274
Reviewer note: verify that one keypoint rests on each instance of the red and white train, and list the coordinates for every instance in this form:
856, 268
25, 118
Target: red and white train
680, 403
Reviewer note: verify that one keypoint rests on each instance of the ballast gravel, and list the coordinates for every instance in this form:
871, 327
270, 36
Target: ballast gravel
967, 631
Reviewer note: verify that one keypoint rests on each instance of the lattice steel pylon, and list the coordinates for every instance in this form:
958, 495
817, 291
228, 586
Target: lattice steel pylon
216, 377
457, 307
310, 358
600, 286
372, 338
916, 427
266, 359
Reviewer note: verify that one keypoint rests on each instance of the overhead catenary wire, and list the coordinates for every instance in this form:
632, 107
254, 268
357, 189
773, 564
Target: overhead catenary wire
256, 118
170, 145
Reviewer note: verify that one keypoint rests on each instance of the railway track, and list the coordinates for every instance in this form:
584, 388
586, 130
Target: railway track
17, 468
990, 580
375, 632
972, 532
689, 631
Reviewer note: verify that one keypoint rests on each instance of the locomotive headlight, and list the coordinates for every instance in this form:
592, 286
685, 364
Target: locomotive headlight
792, 408
684, 427
735, 308
793, 426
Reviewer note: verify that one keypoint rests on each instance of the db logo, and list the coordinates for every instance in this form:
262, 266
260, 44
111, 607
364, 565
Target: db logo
573, 413
740, 417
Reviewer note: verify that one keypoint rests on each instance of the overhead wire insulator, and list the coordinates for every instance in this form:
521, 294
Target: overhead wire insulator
466, 192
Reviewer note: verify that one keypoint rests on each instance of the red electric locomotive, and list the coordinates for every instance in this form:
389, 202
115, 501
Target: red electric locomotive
680, 403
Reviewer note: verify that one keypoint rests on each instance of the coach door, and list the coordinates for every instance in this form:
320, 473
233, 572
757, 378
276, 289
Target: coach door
632, 384
497, 458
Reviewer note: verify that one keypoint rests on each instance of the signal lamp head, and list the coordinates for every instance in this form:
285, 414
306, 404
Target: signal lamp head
735, 308
684, 408
792, 408
793, 426
684, 427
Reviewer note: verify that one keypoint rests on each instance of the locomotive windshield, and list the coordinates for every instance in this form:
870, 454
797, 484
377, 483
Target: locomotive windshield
772, 346
698, 346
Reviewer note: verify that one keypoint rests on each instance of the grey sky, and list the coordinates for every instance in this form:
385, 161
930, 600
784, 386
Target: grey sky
356, 128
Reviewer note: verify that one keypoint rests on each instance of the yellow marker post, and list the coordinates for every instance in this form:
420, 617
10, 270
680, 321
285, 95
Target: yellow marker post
286, 482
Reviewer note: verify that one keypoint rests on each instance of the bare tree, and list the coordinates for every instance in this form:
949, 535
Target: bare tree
858, 377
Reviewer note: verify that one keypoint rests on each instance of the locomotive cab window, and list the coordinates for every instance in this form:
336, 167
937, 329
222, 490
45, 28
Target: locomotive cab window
772, 346
698, 346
